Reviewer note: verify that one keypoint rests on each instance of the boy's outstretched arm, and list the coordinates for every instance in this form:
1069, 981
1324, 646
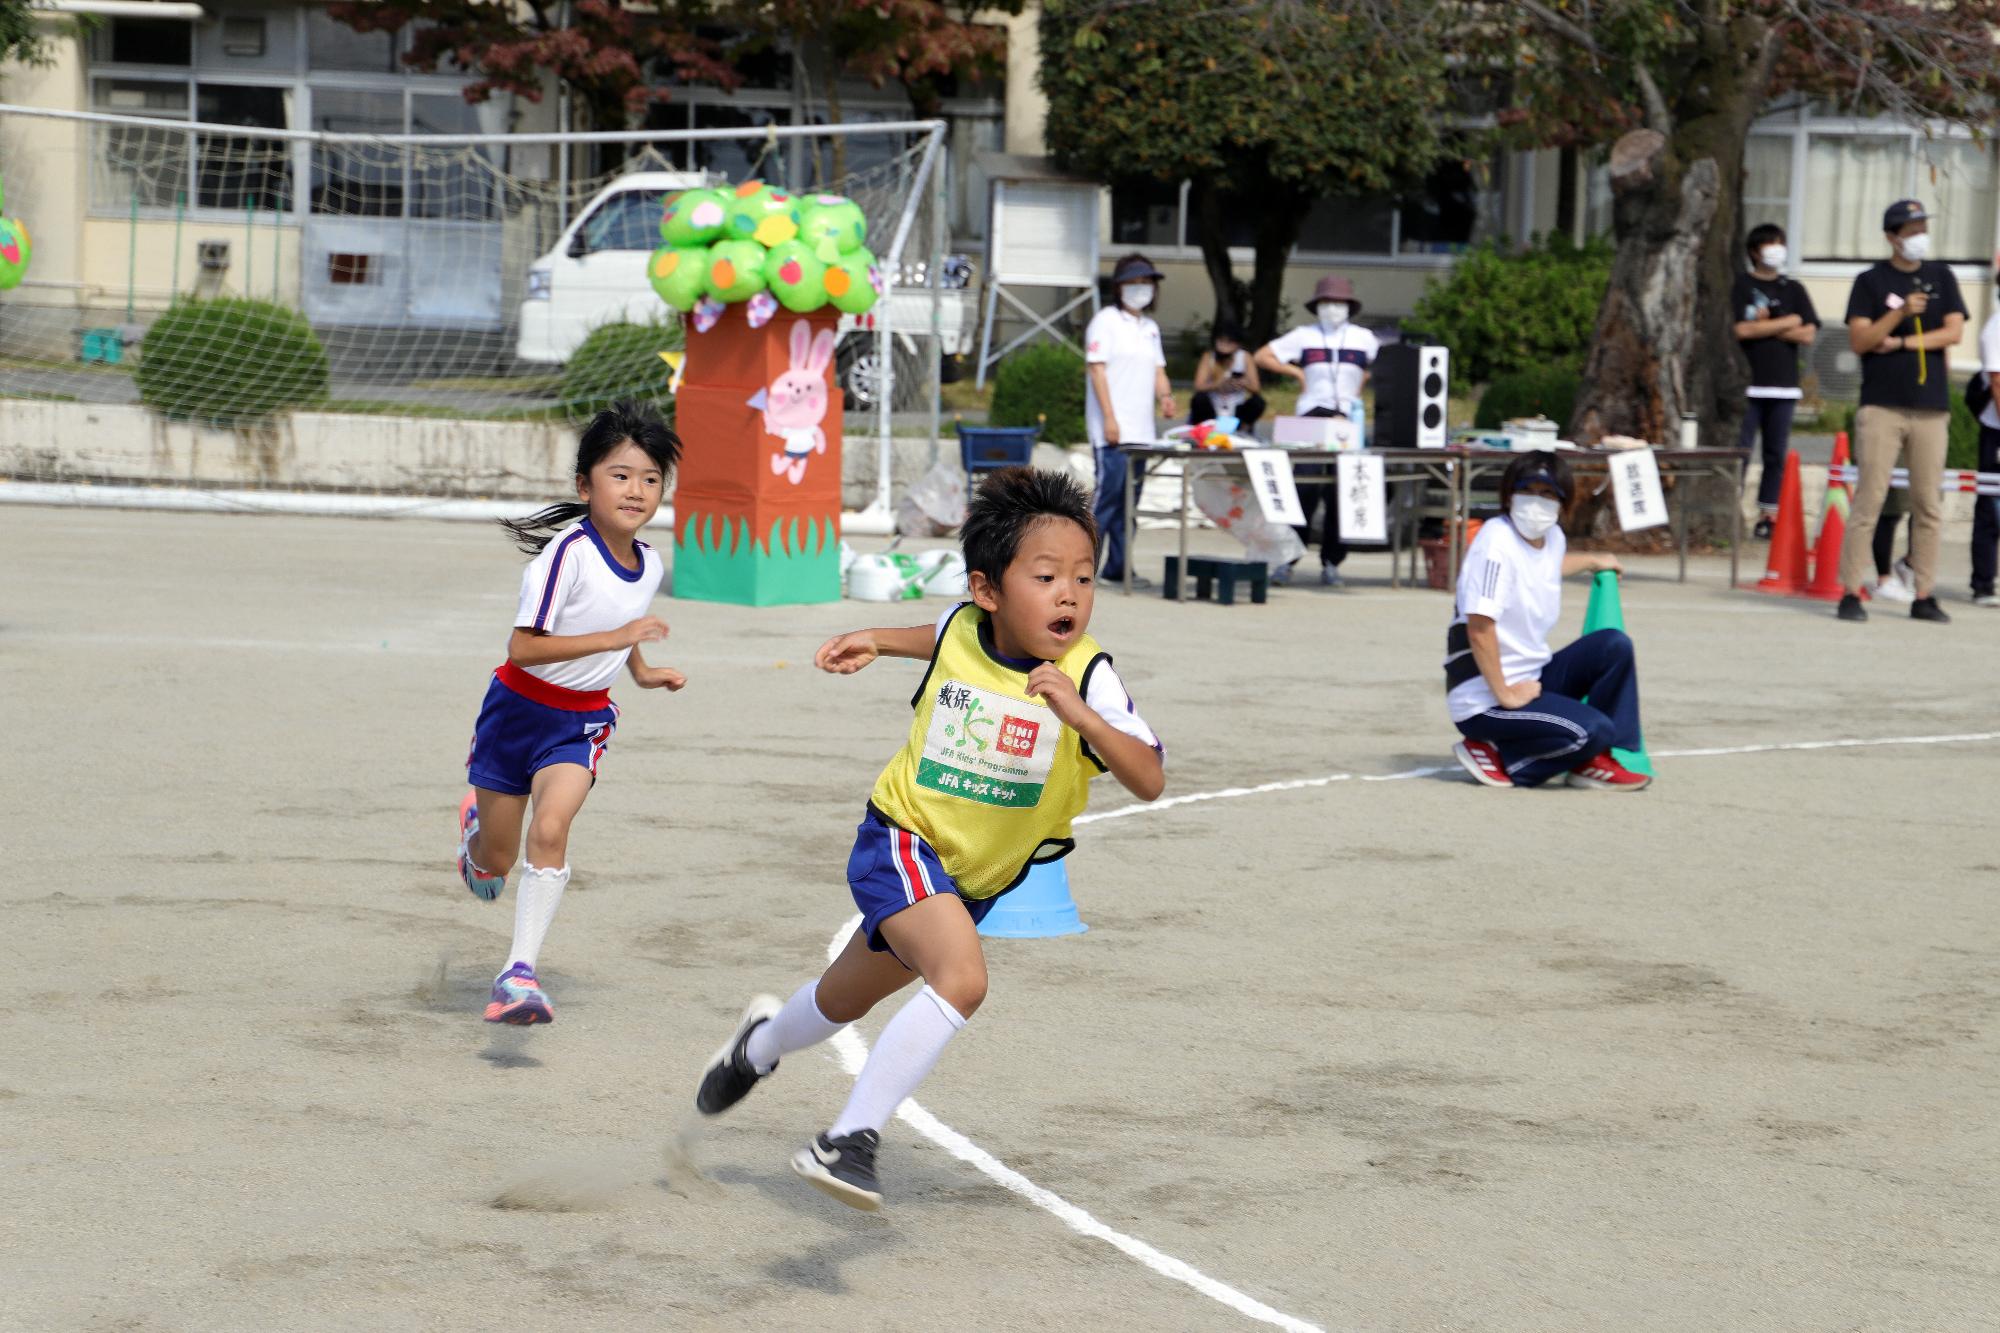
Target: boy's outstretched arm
845, 654
1137, 765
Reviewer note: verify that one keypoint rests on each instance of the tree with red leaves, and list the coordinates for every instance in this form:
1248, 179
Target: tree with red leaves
609, 55
1673, 87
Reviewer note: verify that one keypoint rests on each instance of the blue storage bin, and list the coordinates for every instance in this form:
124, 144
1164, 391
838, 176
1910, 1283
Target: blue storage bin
990, 448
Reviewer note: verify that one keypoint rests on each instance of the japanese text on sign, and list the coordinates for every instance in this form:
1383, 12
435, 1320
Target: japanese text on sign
1363, 498
1271, 482
1635, 485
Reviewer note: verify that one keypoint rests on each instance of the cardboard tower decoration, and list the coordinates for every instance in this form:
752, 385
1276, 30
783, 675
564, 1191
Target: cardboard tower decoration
761, 278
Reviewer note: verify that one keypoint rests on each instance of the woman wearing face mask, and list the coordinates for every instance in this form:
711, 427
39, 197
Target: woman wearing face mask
1128, 379
1329, 358
1774, 317
1519, 705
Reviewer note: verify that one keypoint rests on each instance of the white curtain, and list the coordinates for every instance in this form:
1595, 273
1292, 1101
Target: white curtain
1850, 179
1955, 181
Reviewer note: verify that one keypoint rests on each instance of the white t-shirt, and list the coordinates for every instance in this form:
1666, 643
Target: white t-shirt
576, 586
1104, 691
1334, 362
1520, 588
1989, 361
1128, 347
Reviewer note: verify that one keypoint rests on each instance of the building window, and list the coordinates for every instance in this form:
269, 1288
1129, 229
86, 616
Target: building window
1146, 213
135, 41
242, 172
139, 164
1767, 182
739, 159
332, 45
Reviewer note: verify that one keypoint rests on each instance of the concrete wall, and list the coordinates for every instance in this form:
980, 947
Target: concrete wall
308, 450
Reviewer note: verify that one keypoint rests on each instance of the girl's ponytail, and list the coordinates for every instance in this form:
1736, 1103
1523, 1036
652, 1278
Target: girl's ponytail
532, 533
622, 421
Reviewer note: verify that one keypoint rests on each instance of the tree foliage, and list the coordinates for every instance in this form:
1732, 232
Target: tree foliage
1501, 311
612, 57
1265, 104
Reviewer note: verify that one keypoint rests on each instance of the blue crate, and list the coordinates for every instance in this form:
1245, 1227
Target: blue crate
990, 448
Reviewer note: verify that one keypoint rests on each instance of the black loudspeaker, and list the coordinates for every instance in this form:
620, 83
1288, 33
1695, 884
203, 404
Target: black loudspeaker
1412, 391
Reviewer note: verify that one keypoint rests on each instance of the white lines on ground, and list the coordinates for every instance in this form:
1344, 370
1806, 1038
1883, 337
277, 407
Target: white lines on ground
1299, 784
852, 1052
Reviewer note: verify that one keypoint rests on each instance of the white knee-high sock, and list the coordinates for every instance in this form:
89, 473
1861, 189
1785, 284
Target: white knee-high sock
796, 1026
906, 1051
534, 907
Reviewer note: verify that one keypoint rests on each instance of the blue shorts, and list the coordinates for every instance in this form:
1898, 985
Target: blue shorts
892, 868
517, 737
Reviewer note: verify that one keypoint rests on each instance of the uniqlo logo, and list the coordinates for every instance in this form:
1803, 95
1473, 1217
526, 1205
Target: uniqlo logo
1018, 736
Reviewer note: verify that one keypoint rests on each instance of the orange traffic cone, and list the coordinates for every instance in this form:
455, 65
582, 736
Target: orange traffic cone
1832, 529
1786, 574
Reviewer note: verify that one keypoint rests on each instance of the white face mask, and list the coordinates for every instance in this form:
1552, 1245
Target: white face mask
1332, 315
1772, 256
1136, 295
1534, 515
1916, 248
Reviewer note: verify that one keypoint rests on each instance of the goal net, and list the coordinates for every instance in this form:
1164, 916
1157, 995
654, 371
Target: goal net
227, 278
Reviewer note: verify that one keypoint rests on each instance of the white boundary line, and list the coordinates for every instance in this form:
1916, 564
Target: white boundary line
853, 1051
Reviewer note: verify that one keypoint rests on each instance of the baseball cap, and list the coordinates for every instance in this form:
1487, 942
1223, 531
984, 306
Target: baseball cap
1543, 473
1902, 213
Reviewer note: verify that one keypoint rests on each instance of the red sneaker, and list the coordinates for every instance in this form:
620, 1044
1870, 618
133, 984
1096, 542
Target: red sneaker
1606, 774
1482, 760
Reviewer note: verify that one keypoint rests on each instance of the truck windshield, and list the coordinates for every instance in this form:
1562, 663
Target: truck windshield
628, 220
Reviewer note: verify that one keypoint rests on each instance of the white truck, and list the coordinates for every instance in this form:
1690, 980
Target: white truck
596, 274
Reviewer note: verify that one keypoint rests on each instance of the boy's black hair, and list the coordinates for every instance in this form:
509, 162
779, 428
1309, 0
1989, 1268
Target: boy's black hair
1010, 502
623, 420
1762, 235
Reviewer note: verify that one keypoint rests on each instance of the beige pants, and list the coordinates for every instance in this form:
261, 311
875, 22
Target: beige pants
1883, 437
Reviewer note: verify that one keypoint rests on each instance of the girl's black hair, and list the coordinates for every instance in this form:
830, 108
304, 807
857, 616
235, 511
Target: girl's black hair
623, 420
1010, 502
1226, 328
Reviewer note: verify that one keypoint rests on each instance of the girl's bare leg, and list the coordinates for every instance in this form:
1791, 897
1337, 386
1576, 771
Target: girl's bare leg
498, 844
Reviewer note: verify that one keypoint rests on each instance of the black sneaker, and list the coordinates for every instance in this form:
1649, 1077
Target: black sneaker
730, 1075
1851, 608
844, 1167
1762, 532
1926, 608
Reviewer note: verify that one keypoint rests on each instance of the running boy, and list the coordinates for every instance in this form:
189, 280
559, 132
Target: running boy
548, 716
1017, 711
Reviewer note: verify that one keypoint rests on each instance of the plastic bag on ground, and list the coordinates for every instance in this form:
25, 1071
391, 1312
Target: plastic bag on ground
1229, 505
935, 505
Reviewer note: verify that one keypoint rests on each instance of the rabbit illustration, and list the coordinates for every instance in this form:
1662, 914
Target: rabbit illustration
796, 403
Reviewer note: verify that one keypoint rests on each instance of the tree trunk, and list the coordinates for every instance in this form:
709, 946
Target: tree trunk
1212, 236
1280, 212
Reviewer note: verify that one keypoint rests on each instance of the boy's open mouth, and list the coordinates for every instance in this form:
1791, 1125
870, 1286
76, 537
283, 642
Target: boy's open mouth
1062, 626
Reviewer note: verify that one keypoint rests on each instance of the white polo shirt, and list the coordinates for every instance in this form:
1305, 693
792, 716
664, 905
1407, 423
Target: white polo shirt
1128, 347
576, 586
1989, 361
1520, 589
1335, 363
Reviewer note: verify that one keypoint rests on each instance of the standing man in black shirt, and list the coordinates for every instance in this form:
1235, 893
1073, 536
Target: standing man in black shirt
1774, 318
1901, 316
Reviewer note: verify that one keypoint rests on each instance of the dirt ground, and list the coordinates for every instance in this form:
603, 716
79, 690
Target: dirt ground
1401, 1054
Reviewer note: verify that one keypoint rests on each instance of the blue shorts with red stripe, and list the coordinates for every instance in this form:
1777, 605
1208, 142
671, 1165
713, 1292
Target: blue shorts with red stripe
892, 868
526, 724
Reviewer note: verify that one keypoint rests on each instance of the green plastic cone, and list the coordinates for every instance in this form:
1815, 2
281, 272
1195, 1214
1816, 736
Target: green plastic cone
1606, 611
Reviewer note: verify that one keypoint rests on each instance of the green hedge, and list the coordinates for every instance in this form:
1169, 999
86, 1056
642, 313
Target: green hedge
229, 360
1044, 380
1549, 392
1501, 311
622, 361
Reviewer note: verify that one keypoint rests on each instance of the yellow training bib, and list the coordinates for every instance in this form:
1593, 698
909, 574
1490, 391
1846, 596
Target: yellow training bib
989, 778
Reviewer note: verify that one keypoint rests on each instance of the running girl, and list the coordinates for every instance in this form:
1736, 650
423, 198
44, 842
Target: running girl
1017, 712
548, 715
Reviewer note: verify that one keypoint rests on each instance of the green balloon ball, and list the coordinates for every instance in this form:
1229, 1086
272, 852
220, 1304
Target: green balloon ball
679, 274
761, 214
735, 270
828, 217
694, 217
796, 277
849, 285
15, 250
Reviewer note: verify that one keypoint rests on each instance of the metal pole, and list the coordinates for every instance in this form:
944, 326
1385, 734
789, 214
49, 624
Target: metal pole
180, 208
132, 255
562, 159
249, 241
277, 250
939, 197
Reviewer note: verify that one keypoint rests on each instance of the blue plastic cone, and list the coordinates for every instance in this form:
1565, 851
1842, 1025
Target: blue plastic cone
1606, 611
1040, 907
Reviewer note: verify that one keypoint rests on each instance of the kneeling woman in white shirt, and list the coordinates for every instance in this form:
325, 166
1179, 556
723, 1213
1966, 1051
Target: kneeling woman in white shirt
1520, 706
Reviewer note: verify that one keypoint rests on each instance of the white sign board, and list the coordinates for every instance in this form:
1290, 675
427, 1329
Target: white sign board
1635, 484
1271, 481
1363, 498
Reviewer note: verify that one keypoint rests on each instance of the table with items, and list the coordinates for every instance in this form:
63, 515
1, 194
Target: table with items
1453, 476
